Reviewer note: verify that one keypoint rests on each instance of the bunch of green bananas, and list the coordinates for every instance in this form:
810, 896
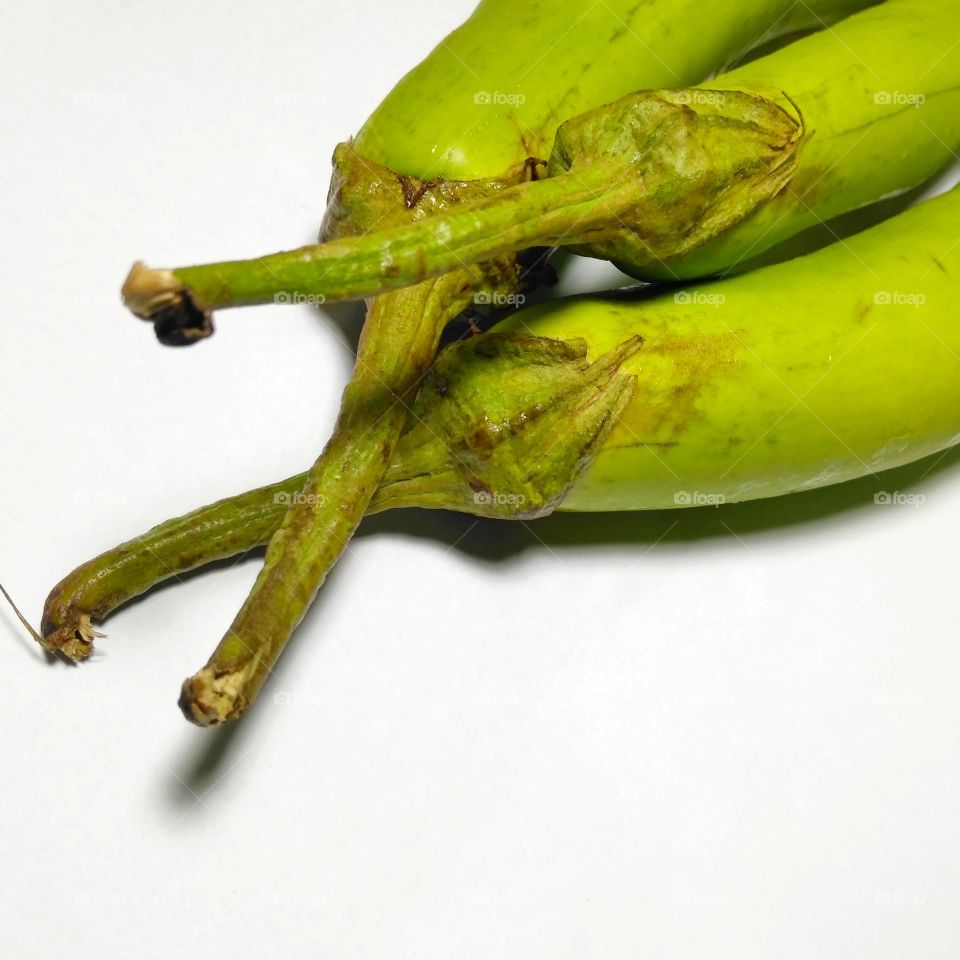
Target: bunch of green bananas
809, 372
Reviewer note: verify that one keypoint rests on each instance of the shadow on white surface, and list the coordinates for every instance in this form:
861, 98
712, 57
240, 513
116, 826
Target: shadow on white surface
194, 772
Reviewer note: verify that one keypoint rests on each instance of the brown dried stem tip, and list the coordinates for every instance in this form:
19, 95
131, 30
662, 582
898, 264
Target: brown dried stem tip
158, 296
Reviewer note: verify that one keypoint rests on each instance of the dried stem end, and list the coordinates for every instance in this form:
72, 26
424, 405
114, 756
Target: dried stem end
211, 698
73, 639
158, 296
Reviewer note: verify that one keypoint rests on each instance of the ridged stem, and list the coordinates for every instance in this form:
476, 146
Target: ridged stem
397, 346
563, 209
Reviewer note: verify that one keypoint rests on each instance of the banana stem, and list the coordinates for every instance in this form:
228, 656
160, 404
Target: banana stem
563, 209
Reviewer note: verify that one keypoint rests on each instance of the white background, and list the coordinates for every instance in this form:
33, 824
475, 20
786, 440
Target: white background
723, 733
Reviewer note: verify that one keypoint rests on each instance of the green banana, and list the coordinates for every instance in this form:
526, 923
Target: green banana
836, 365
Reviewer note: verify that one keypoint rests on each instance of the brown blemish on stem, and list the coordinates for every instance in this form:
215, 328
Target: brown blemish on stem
412, 193
72, 639
530, 167
182, 324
